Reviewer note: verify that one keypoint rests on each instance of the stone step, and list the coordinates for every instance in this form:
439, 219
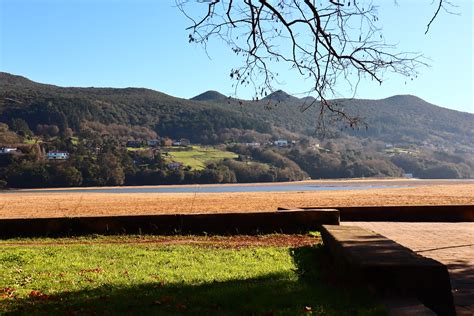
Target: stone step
389, 267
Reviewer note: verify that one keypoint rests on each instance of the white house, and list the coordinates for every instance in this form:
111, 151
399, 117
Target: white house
281, 143
57, 155
153, 142
175, 165
8, 150
185, 142
254, 144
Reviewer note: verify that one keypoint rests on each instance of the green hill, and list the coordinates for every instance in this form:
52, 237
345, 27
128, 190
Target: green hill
398, 119
210, 95
401, 118
83, 108
405, 135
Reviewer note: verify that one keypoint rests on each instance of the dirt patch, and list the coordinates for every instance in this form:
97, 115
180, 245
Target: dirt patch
237, 241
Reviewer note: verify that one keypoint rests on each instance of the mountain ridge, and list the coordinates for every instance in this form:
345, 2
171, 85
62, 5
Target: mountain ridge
209, 95
390, 119
8, 79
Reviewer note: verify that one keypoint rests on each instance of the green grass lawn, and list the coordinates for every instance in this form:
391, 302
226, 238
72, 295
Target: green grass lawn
75, 140
107, 278
32, 141
199, 156
136, 148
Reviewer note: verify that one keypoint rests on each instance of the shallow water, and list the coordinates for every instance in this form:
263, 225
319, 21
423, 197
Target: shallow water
256, 187
222, 189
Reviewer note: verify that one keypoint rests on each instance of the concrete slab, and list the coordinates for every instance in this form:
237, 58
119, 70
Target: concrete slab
449, 243
289, 221
406, 307
406, 213
389, 267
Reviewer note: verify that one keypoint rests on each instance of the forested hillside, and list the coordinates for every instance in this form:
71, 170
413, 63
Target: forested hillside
127, 136
77, 108
402, 118
396, 119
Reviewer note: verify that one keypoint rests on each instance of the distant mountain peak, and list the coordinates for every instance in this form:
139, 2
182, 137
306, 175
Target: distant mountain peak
210, 95
308, 99
403, 98
279, 96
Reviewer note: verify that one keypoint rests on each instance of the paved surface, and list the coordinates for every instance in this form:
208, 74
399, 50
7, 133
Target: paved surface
449, 243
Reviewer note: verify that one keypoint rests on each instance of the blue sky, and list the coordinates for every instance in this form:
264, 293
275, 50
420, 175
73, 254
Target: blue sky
143, 43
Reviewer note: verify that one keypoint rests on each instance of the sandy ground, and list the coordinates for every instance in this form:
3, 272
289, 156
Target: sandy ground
36, 204
323, 182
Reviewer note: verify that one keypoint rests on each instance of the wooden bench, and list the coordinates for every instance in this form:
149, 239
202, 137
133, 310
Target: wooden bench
389, 267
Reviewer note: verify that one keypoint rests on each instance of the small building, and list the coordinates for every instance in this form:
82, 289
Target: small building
7, 150
57, 155
134, 144
153, 142
281, 143
166, 142
174, 165
254, 144
184, 142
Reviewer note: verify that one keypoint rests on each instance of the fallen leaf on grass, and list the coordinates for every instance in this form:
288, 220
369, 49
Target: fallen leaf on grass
166, 298
26, 280
158, 285
180, 307
96, 270
39, 295
155, 276
7, 292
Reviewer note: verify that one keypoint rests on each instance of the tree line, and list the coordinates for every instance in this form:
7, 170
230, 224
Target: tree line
106, 162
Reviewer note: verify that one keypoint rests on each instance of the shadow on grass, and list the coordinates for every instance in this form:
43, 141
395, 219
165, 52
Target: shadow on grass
302, 292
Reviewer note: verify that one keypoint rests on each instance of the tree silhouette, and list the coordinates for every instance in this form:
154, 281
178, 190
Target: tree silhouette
326, 41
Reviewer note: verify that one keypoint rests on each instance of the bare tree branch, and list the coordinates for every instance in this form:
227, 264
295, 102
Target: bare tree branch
441, 4
326, 41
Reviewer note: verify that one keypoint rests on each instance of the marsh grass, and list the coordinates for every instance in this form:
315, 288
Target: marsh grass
166, 280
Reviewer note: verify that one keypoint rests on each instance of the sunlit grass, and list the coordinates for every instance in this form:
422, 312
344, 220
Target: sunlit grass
183, 279
136, 148
32, 141
199, 156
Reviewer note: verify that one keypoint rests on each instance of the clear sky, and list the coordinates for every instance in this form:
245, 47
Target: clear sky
143, 43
